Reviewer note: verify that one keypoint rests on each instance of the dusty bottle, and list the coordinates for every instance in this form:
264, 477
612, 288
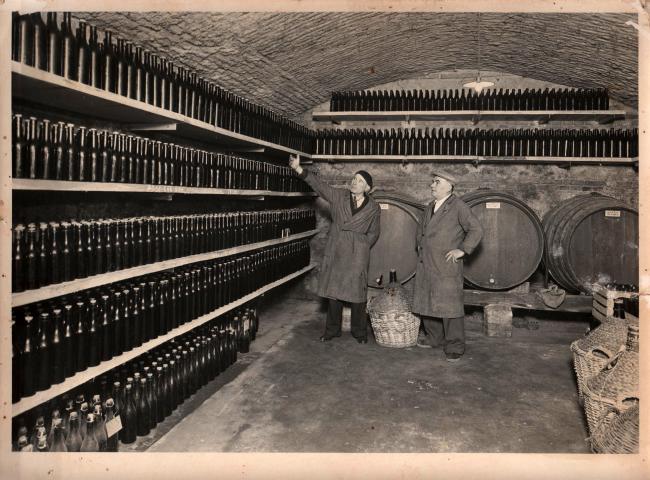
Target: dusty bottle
19, 147
31, 258
57, 347
73, 440
83, 57
68, 49
18, 267
90, 443
42, 256
44, 379
100, 428
58, 440
112, 422
54, 41
129, 417
95, 76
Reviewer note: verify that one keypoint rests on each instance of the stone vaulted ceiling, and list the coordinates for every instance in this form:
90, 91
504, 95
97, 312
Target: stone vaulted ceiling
293, 61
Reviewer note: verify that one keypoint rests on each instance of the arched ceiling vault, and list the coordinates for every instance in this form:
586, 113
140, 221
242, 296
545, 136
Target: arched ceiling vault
292, 62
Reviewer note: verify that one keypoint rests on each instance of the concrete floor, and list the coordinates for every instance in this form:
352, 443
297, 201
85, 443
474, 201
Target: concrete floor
292, 393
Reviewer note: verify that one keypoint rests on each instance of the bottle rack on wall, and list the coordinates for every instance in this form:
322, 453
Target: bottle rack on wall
56, 290
66, 186
475, 116
476, 159
80, 378
47, 89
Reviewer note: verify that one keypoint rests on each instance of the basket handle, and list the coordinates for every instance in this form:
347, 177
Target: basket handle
620, 402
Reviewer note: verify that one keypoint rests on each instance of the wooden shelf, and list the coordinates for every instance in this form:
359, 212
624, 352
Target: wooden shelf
65, 288
474, 159
526, 301
65, 186
541, 116
34, 85
80, 378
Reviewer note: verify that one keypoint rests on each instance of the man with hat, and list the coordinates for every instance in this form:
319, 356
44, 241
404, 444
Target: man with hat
448, 231
354, 229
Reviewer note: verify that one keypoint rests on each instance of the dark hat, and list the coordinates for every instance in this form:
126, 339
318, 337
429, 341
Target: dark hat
450, 178
366, 176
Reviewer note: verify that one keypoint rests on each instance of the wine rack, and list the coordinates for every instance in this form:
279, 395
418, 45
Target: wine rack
50, 90
79, 378
65, 288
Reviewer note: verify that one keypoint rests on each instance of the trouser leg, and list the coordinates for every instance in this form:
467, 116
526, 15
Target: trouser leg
454, 335
434, 328
334, 318
359, 320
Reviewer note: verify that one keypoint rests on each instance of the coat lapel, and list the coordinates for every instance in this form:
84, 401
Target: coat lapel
442, 211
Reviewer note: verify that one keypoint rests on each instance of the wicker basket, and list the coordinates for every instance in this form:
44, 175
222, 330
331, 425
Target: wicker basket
618, 431
616, 387
392, 321
592, 352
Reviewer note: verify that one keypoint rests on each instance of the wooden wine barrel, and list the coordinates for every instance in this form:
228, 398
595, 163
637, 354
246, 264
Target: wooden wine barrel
592, 239
395, 248
512, 245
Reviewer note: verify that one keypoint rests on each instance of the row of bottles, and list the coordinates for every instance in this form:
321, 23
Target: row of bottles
120, 67
54, 340
142, 394
600, 143
49, 150
451, 100
54, 252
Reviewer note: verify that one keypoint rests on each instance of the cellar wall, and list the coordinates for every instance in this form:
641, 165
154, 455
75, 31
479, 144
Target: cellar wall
540, 186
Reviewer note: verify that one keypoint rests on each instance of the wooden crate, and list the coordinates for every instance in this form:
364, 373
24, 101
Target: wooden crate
603, 301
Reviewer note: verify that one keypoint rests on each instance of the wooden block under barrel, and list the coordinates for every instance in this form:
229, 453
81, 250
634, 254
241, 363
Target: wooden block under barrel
497, 320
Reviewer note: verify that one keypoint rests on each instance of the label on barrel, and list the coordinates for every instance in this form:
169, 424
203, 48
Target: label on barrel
113, 426
493, 205
613, 213
384, 206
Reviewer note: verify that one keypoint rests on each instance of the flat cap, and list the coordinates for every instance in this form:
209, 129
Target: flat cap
447, 176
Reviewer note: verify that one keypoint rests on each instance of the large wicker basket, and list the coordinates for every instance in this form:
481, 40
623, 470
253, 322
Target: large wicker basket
616, 387
392, 321
618, 431
592, 352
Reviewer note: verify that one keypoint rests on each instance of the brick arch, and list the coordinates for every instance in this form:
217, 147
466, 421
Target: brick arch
292, 61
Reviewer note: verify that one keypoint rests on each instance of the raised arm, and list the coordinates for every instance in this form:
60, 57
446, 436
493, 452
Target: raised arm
320, 187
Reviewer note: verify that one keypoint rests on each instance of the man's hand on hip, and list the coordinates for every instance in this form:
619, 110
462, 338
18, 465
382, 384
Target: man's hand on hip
454, 255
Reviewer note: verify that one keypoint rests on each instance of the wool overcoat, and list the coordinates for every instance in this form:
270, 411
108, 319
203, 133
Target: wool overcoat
344, 271
438, 290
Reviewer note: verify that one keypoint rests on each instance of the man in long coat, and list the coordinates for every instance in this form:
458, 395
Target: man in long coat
448, 231
354, 229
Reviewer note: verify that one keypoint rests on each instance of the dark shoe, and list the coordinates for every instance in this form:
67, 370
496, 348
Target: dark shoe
453, 357
423, 341
327, 338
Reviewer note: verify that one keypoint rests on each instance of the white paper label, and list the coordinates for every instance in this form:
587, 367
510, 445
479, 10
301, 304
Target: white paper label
384, 206
613, 213
493, 205
113, 426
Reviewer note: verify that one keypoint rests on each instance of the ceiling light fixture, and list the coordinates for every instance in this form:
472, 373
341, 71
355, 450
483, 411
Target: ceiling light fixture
478, 85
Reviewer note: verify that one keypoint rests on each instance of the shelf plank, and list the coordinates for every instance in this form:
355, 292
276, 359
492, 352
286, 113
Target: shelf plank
527, 301
56, 290
66, 186
34, 85
475, 159
80, 378
601, 116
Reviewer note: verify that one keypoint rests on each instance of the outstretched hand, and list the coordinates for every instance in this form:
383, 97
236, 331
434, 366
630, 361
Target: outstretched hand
294, 162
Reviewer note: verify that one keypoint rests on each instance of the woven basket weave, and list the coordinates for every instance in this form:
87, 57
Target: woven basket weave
617, 432
592, 352
616, 387
392, 321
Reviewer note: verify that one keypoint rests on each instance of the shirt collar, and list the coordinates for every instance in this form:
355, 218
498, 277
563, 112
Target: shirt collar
441, 201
